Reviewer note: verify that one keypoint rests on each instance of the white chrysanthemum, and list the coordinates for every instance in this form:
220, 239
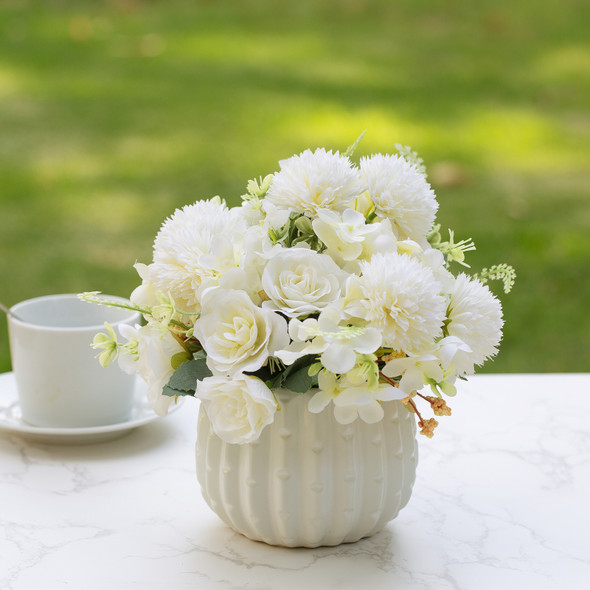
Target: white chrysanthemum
430, 257
401, 193
193, 249
475, 316
400, 297
313, 180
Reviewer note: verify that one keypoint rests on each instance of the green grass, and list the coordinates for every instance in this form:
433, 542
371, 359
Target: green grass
114, 113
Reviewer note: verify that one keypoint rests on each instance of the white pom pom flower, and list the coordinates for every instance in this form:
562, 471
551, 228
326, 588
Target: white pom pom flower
313, 180
193, 249
401, 193
401, 298
475, 317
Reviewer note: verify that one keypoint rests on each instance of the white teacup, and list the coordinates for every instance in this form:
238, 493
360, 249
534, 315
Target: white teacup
59, 379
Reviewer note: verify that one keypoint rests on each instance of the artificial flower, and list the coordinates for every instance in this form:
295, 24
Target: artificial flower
328, 276
400, 297
337, 345
194, 247
299, 281
236, 334
238, 408
400, 193
312, 181
475, 317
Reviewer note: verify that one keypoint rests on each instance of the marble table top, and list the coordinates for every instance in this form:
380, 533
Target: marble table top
501, 501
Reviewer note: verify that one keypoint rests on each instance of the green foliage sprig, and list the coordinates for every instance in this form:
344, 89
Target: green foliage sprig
498, 272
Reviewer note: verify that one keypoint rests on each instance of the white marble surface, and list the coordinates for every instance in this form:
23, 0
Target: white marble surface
502, 500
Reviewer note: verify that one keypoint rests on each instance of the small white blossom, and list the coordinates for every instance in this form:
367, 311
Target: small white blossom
359, 397
238, 408
337, 344
361, 402
328, 389
415, 370
348, 237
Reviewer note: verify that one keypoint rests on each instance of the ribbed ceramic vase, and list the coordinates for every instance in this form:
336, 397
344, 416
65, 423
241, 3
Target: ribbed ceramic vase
308, 480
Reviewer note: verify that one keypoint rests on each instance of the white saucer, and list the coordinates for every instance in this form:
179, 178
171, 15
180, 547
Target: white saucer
11, 418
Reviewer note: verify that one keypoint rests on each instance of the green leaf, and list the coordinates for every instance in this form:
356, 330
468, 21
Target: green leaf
296, 376
299, 381
180, 358
351, 148
184, 379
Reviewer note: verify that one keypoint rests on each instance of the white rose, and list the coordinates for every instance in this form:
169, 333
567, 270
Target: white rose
155, 348
237, 335
299, 281
238, 408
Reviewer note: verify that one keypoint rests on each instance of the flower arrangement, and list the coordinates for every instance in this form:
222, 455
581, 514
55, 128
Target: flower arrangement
331, 277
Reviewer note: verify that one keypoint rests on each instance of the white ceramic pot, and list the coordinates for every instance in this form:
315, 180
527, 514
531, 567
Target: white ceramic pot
308, 480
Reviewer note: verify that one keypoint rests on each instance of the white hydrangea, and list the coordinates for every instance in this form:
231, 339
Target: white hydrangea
348, 237
415, 370
401, 193
352, 399
311, 181
401, 298
338, 345
194, 247
475, 317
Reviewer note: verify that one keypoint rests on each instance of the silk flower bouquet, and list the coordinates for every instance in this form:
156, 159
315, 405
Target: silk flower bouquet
331, 277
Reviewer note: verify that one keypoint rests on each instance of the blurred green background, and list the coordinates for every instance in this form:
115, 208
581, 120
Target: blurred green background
112, 114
